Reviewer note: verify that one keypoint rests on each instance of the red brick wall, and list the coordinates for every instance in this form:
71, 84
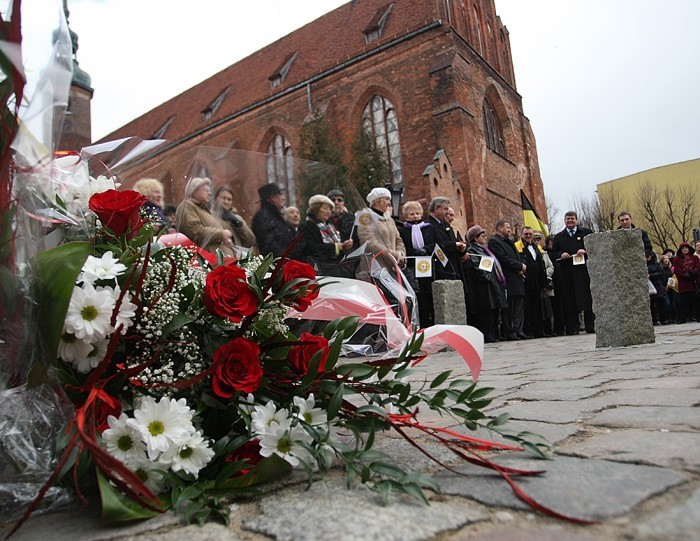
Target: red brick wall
437, 83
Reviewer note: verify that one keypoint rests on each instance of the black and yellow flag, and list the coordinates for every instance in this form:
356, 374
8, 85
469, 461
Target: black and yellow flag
530, 218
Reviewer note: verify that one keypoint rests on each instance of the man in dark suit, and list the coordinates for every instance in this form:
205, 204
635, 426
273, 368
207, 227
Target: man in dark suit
514, 269
575, 284
447, 240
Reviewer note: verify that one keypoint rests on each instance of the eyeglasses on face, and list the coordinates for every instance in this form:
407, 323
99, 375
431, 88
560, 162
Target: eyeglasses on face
338, 199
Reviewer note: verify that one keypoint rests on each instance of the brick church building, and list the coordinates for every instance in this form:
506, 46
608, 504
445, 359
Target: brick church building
432, 79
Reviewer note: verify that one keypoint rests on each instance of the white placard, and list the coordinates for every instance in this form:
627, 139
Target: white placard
579, 259
424, 266
486, 263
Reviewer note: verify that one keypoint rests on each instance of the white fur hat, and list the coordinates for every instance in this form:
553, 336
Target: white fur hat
376, 193
321, 200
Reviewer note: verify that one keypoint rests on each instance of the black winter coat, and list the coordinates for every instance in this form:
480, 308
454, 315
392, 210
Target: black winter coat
507, 254
483, 289
573, 279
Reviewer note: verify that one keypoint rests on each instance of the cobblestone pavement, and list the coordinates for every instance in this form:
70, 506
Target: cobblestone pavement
625, 424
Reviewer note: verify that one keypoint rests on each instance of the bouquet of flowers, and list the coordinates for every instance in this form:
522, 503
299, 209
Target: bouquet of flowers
186, 385
189, 387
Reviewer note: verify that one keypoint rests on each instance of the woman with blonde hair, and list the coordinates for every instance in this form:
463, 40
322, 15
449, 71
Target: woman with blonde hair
419, 239
197, 222
153, 190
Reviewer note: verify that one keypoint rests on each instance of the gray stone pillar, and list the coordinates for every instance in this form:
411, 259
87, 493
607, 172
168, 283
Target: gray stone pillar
448, 302
618, 271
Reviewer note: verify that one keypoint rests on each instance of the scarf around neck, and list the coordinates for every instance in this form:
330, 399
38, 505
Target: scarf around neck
416, 235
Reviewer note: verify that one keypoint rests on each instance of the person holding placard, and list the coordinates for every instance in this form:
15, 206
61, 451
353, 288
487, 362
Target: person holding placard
486, 284
569, 250
419, 238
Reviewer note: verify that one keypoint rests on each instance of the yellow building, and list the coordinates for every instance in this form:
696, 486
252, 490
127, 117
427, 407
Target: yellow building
665, 201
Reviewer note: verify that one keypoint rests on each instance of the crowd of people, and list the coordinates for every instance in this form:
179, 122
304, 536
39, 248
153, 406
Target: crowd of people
532, 286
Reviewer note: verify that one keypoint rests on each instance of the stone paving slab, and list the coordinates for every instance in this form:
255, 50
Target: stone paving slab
84, 524
673, 449
550, 411
587, 489
654, 397
353, 515
679, 523
614, 459
653, 417
553, 392
672, 382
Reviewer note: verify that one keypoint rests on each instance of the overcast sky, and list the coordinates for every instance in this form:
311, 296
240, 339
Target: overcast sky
610, 86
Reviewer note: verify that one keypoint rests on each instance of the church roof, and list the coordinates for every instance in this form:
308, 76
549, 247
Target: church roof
349, 31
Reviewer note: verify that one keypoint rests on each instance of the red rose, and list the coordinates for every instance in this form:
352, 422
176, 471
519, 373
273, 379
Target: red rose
305, 291
227, 294
249, 453
300, 356
237, 368
105, 405
119, 211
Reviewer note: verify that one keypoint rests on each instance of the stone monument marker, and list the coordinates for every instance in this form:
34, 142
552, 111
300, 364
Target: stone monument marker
618, 270
448, 302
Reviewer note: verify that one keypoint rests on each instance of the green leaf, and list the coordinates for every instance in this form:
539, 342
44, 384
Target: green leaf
116, 507
335, 402
372, 409
333, 354
480, 393
500, 420
356, 370
416, 492
390, 470
56, 272
268, 469
440, 379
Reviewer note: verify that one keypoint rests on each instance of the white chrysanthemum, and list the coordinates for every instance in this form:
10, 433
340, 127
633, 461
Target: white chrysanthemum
123, 441
89, 313
267, 416
146, 471
101, 268
71, 348
190, 456
98, 348
307, 413
162, 424
102, 184
127, 310
247, 404
284, 442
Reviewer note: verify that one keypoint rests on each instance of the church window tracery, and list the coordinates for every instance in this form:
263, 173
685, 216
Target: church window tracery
493, 133
280, 166
379, 119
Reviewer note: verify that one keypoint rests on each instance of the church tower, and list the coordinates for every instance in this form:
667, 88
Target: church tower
76, 132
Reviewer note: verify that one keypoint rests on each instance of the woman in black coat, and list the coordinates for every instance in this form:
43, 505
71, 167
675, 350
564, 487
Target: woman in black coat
486, 284
658, 280
322, 245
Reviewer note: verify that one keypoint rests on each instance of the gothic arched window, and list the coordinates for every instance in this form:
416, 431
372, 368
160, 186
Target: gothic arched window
280, 166
492, 130
379, 119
